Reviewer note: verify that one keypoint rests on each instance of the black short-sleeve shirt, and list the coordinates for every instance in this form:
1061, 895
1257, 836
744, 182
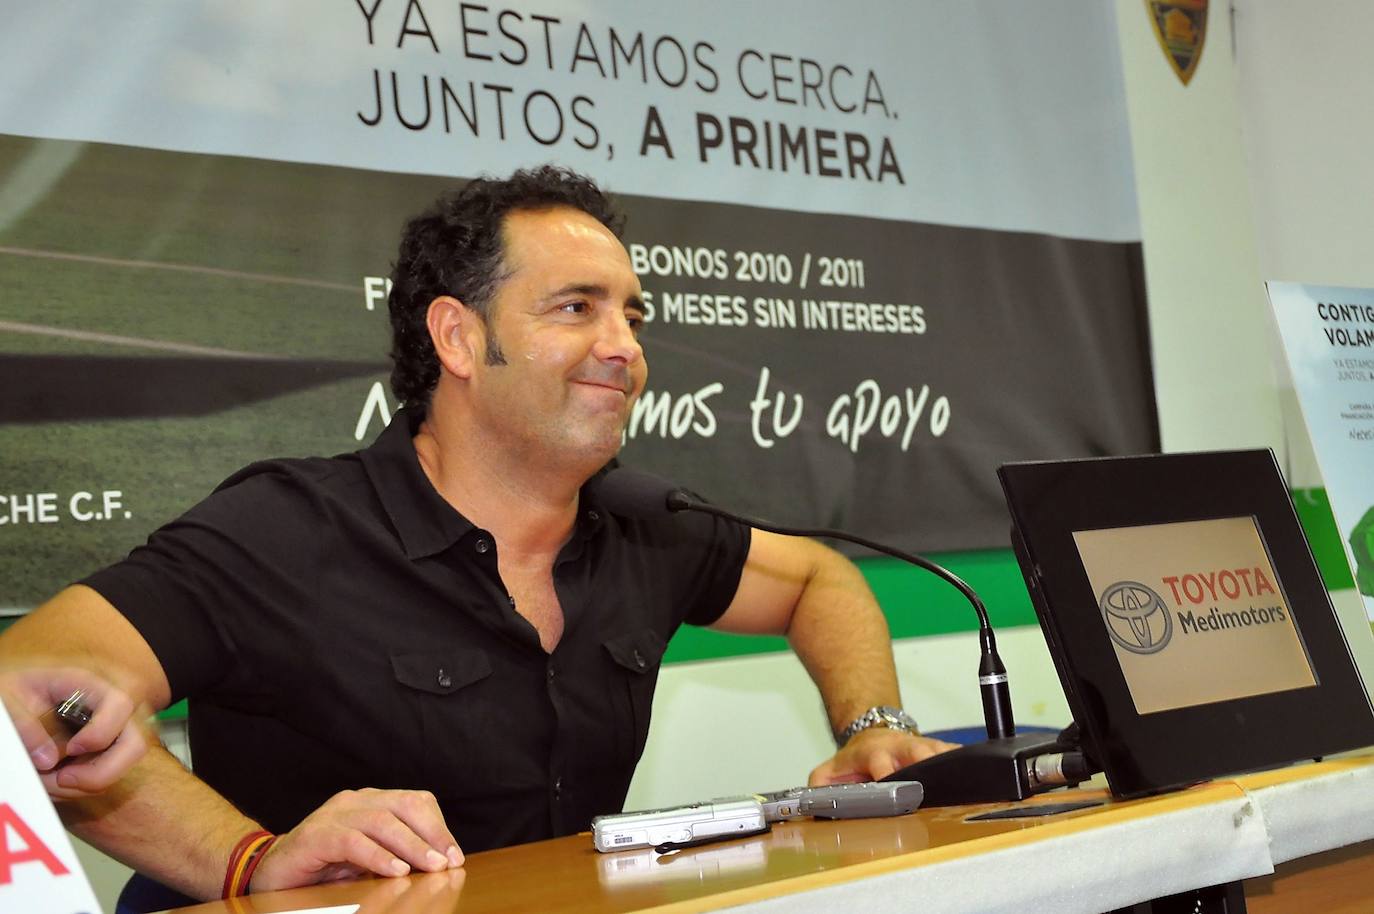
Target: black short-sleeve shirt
336, 624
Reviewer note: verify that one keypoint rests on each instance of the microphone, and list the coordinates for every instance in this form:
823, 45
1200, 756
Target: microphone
1005, 767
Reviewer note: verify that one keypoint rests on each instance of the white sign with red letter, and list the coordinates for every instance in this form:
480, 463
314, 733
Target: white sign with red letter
39, 872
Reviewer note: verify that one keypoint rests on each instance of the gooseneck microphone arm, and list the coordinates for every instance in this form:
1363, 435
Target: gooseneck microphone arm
992, 673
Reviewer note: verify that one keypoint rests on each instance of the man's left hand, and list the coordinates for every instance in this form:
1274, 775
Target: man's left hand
875, 753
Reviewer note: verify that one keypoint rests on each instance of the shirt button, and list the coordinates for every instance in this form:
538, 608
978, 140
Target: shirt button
550, 674
593, 516
482, 546
445, 680
557, 787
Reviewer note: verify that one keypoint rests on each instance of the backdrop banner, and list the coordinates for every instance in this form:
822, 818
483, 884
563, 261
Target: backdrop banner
872, 275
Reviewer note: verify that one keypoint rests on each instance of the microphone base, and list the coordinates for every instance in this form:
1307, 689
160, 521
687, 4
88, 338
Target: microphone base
987, 772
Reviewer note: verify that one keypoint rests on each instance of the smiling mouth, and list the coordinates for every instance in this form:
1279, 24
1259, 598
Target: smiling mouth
622, 388
600, 390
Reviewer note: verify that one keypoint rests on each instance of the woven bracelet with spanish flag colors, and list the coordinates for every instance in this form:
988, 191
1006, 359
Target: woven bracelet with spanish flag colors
243, 861
254, 858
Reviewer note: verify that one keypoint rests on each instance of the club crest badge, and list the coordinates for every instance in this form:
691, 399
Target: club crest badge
1181, 27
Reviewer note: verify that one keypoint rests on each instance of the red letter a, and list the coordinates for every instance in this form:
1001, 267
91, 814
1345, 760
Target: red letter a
33, 849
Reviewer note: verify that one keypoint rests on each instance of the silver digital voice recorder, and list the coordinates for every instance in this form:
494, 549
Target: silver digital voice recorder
679, 825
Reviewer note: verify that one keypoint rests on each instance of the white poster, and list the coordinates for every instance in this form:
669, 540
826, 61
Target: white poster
982, 113
1328, 336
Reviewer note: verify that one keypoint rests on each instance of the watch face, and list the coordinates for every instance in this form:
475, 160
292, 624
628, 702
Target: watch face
896, 718
884, 716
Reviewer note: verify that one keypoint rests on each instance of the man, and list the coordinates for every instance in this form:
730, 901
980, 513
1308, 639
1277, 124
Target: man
449, 609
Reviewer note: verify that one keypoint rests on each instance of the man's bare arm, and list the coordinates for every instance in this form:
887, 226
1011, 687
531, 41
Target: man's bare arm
165, 822
80, 626
820, 601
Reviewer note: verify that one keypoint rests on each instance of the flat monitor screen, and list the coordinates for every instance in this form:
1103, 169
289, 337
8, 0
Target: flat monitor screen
1185, 615
1195, 612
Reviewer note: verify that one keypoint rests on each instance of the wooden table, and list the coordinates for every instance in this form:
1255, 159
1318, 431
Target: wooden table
1110, 856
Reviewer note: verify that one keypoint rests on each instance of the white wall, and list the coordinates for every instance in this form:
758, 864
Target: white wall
1307, 114
1306, 100
1208, 313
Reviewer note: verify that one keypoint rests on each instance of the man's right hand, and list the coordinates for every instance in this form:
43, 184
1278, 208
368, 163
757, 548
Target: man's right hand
96, 756
361, 832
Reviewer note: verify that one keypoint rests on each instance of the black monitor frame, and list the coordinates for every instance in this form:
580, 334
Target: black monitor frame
1142, 754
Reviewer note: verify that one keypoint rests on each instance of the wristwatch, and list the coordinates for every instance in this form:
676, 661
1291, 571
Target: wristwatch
880, 716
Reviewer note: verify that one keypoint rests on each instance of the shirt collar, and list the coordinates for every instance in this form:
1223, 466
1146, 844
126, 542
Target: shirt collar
424, 521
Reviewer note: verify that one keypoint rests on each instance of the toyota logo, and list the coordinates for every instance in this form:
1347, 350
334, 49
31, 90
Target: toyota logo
1136, 617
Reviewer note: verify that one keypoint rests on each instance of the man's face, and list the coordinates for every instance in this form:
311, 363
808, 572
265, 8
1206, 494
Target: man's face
566, 319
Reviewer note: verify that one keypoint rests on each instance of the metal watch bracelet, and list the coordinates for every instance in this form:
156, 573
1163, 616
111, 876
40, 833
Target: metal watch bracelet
878, 716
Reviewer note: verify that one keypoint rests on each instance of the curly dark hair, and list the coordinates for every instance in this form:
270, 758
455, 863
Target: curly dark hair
456, 247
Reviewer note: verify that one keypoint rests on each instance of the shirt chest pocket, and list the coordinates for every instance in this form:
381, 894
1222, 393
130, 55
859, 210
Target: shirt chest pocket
440, 672
635, 657
450, 713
